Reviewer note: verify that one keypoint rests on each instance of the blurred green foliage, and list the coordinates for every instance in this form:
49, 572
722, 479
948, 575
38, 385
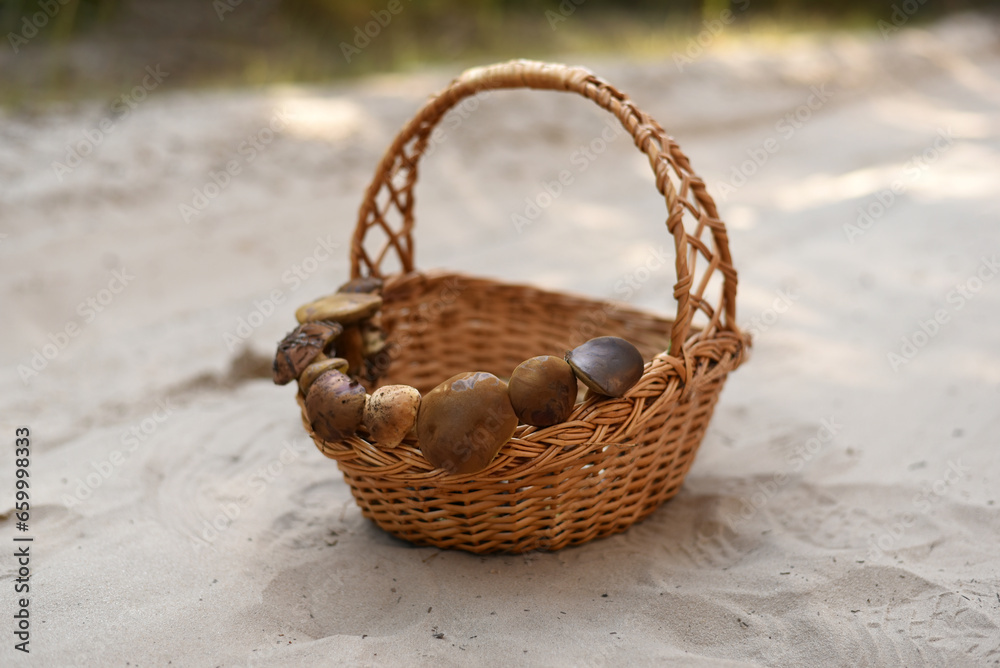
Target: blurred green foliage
240, 42
60, 19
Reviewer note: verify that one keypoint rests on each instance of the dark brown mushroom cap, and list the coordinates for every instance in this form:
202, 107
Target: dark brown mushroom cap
343, 307
542, 391
335, 405
608, 365
300, 347
368, 284
463, 422
318, 368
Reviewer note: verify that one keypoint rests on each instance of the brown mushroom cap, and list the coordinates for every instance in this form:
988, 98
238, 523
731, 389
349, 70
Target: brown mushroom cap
335, 406
463, 422
391, 413
300, 347
343, 307
608, 365
368, 284
318, 368
542, 391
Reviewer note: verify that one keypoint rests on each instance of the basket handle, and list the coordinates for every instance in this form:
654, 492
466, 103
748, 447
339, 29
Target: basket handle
397, 173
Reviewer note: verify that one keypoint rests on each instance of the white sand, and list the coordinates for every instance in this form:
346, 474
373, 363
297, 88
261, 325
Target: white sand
814, 567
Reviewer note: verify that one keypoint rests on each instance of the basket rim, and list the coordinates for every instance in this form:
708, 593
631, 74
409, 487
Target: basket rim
666, 379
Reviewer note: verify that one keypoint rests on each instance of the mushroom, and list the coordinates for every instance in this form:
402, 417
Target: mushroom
300, 347
318, 368
608, 365
335, 406
343, 307
369, 284
542, 391
390, 414
350, 346
463, 422
377, 364
372, 337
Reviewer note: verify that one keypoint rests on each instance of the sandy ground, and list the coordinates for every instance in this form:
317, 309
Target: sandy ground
842, 510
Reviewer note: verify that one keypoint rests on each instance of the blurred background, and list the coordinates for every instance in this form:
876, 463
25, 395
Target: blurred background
156, 240
65, 49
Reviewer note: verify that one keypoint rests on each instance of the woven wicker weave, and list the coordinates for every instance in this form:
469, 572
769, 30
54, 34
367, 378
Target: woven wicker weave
614, 461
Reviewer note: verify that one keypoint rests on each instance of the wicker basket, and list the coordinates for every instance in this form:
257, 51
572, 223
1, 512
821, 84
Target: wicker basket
614, 461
